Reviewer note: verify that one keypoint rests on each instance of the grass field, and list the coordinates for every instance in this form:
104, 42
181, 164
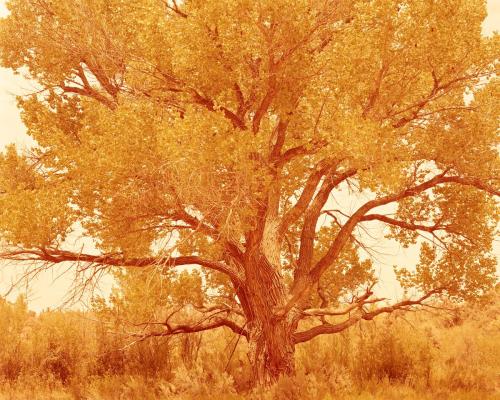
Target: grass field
75, 355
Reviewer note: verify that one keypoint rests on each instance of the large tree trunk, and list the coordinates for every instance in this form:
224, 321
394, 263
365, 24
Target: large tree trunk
271, 334
271, 352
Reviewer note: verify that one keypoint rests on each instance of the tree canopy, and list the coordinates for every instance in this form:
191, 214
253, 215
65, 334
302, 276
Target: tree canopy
220, 133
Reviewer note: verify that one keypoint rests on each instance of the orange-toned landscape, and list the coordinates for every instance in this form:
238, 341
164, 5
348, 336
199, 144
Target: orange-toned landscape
249, 199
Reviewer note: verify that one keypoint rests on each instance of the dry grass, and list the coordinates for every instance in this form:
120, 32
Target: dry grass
68, 356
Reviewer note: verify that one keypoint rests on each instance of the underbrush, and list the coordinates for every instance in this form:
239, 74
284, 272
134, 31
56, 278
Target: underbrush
137, 387
72, 355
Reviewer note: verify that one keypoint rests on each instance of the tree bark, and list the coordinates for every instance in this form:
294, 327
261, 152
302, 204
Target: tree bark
272, 352
270, 334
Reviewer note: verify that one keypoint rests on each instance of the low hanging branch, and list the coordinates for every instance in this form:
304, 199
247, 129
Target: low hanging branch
358, 313
204, 325
213, 317
56, 256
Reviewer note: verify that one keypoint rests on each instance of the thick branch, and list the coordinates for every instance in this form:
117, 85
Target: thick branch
304, 282
89, 92
311, 219
210, 105
56, 256
327, 328
182, 329
280, 135
304, 200
317, 312
347, 229
403, 224
219, 322
468, 181
102, 78
304, 149
401, 305
266, 102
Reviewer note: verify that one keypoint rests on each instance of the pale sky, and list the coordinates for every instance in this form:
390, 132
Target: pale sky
45, 292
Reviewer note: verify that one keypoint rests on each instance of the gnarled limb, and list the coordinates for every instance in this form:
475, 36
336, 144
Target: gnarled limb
311, 216
360, 314
403, 224
56, 256
304, 281
216, 322
347, 229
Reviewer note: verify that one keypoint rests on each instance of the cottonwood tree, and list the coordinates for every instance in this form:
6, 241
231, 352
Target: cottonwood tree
220, 134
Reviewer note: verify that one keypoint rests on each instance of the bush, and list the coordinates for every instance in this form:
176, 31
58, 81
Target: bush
76, 355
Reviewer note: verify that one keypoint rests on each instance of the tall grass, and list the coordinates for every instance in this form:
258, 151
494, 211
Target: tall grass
76, 355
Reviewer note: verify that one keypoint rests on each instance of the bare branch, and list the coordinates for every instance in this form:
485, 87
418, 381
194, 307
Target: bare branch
304, 200
55, 256
316, 312
173, 6
403, 224
305, 280
217, 322
311, 216
297, 151
86, 92
360, 314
